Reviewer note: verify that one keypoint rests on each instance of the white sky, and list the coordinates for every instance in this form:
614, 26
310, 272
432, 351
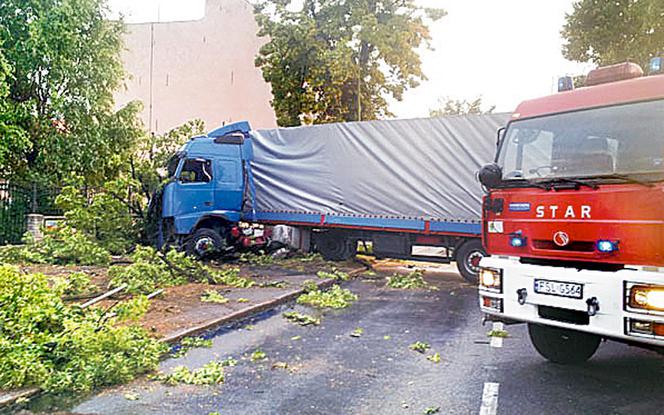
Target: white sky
504, 50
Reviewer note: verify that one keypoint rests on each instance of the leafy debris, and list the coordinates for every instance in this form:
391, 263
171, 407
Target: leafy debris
301, 319
435, 358
498, 333
335, 274
258, 355
411, 281
210, 374
335, 297
213, 296
420, 347
358, 332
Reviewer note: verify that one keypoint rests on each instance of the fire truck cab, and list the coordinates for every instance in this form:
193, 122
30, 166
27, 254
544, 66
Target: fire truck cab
573, 217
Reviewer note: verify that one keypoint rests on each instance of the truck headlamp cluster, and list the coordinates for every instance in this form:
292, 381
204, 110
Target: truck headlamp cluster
491, 279
647, 297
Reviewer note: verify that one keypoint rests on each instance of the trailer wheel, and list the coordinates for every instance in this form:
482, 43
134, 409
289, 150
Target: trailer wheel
562, 346
335, 247
468, 257
205, 243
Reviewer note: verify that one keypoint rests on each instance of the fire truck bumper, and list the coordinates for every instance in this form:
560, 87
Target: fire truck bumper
626, 305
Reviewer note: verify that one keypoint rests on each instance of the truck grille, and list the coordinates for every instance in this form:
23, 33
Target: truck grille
576, 246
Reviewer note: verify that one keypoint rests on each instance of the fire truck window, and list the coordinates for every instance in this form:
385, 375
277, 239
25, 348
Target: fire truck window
625, 139
196, 171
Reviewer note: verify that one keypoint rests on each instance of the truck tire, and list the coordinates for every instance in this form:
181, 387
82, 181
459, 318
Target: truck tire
562, 346
205, 243
335, 247
468, 257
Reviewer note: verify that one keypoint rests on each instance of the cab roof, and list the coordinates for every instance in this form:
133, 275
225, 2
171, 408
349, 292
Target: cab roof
614, 93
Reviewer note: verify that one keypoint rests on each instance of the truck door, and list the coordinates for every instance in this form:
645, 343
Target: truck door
195, 187
229, 190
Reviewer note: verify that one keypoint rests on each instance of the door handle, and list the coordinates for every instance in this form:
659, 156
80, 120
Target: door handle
207, 203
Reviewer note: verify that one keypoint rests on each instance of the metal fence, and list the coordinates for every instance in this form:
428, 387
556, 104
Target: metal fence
17, 201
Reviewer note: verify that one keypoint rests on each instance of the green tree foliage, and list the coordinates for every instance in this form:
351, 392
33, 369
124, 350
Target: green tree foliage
58, 347
450, 106
14, 139
608, 32
339, 60
64, 60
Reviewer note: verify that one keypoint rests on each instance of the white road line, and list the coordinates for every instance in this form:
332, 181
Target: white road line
490, 399
495, 340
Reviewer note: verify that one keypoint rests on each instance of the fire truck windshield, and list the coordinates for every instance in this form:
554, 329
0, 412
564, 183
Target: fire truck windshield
610, 142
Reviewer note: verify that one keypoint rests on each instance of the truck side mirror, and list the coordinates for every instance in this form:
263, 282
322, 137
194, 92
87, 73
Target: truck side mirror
499, 136
491, 176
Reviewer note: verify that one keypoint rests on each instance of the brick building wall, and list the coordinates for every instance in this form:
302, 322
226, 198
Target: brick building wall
198, 69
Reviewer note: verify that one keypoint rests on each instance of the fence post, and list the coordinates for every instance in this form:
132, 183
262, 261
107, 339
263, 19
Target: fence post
35, 223
33, 208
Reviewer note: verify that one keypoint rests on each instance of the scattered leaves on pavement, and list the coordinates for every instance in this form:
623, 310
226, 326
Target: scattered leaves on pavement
210, 374
334, 275
213, 296
189, 343
131, 396
242, 300
435, 358
410, 281
301, 319
258, 355
498, 333
358, 332
420, 347
432, 410
335, 297
280, 365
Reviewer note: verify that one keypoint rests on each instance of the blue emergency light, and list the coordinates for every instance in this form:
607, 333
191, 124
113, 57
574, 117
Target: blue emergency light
607, 247
566, 83
517, 240
656, 65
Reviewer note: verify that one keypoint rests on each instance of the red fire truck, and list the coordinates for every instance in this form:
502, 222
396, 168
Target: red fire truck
574, 216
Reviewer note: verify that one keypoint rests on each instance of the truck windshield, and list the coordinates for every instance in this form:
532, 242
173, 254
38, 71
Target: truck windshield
618, 141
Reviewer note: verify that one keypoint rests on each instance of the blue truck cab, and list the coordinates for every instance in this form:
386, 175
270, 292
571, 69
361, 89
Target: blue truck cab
206, 194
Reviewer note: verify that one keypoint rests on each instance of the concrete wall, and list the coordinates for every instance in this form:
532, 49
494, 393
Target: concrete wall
198, 69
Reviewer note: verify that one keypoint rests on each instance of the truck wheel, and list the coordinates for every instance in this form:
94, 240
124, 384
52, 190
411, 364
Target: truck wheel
566, 347
468, 257
205, 243
335, 247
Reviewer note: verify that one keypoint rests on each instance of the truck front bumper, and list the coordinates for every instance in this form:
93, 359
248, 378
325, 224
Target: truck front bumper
602, 307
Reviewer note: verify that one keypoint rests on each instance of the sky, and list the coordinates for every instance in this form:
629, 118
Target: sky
505, 51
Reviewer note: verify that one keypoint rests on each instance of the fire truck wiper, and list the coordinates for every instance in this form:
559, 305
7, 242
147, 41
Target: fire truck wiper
564, 180
627, 178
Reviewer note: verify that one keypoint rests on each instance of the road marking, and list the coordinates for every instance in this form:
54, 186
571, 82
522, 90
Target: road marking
490, 399
495, 340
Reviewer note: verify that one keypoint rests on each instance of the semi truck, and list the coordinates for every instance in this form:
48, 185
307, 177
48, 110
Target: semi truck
394, 185
573, 217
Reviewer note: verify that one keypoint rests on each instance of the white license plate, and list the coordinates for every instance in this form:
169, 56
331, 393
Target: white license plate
560, 289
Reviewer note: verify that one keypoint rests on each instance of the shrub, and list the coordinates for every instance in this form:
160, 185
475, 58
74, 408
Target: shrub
47, 343
63, 245
105, 217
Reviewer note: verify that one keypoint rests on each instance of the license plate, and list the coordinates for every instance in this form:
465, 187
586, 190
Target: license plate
560, 289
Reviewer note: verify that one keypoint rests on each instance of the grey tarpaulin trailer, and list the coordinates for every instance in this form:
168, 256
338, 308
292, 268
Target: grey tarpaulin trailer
398, 184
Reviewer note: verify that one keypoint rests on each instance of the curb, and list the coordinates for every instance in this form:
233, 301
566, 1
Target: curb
9, 398
249, 311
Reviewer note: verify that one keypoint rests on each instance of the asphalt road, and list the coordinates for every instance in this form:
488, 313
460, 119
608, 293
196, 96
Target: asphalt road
331, 372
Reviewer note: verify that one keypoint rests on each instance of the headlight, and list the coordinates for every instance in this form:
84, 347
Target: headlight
647, 297
491, 279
